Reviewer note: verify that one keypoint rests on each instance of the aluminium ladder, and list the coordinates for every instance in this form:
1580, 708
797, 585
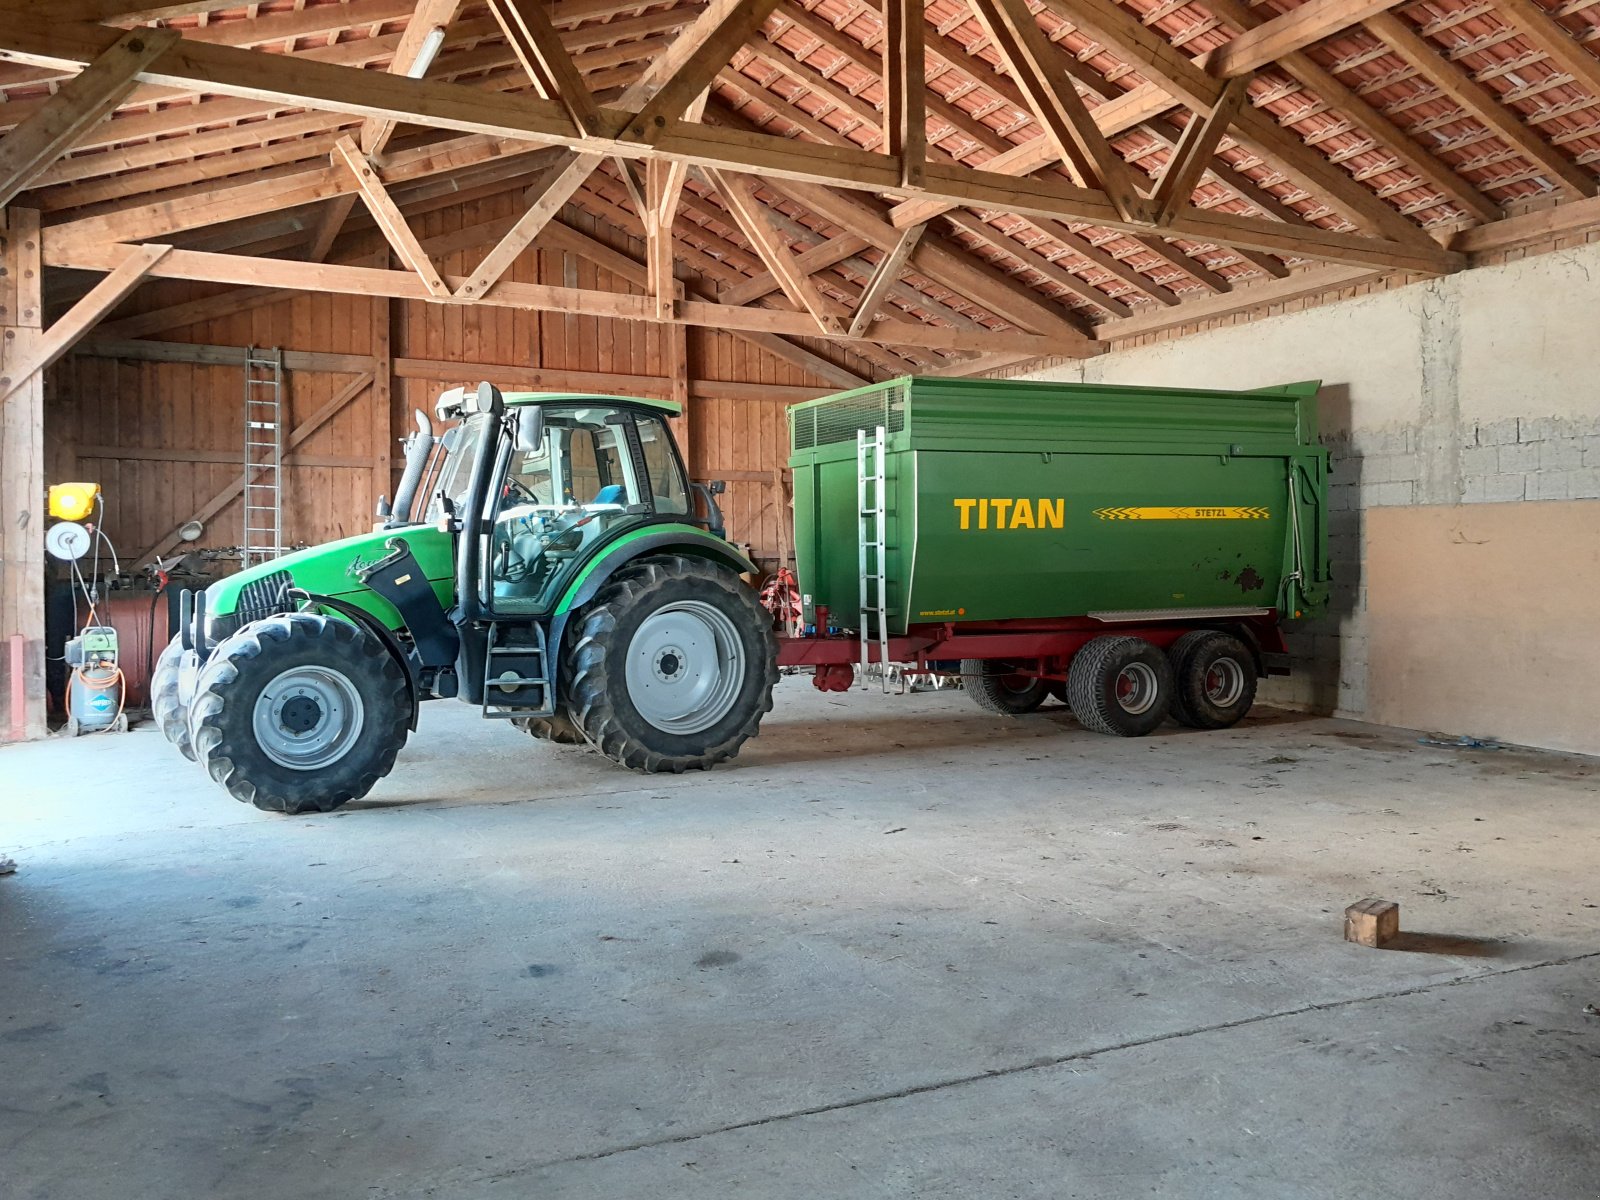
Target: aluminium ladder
263, 455
872, 549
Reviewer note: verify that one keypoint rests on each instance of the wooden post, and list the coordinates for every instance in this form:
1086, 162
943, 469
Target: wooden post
22, 489
676, 339
380, 399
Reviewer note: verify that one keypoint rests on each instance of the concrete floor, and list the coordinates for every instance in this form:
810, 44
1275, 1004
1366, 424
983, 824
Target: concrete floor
900, 948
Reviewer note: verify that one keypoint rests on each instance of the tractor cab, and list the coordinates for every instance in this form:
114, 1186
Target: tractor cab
564, 476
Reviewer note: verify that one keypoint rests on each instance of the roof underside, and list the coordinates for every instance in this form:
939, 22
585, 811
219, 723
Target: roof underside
1443, 114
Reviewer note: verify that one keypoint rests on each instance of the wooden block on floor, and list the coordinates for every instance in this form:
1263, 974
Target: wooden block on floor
1372, 922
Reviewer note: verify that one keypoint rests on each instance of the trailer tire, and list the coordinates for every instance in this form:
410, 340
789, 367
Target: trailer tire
1000, 691
558, 728
248, 739
1214, 679
663, 624
1120, 685
166, 701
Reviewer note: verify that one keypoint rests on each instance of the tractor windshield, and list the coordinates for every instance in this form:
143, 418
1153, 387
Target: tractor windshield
461, 444
596, 470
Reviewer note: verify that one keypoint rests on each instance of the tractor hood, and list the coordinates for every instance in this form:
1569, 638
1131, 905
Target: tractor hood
334, 569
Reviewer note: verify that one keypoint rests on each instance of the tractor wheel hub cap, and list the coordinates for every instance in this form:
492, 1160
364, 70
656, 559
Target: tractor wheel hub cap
685, 667
307, 718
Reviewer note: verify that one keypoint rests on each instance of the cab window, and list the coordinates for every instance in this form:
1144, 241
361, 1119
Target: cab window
661, 464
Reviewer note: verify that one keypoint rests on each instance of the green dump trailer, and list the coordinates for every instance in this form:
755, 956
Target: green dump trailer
1093, 541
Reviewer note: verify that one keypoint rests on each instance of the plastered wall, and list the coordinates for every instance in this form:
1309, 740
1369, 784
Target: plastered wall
1480, 389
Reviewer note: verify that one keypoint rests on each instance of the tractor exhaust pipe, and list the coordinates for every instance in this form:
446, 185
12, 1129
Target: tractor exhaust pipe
418, 449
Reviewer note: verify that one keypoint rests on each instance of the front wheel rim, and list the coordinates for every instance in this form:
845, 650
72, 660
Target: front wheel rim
307, 718
685, 667
1136, 688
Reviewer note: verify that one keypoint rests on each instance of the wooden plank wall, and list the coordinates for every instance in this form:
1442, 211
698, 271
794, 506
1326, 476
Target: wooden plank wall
163, 437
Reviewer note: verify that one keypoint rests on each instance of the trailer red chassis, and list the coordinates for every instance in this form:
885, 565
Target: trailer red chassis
1037, 647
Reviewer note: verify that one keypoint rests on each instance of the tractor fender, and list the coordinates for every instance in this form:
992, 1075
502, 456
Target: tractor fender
386, 638
702, 546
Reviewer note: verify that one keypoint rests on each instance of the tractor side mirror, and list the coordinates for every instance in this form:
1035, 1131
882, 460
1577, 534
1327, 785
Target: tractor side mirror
530, 428
717, 486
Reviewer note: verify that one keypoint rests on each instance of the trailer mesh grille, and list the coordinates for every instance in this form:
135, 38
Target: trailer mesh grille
839, 420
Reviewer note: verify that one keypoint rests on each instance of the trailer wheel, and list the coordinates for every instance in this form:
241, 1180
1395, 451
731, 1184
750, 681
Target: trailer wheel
167, 703
1120, 685
299, 713
1002, 691
672, 666
558, 728
1215, 676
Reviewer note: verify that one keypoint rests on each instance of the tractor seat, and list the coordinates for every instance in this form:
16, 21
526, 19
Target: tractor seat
612, 493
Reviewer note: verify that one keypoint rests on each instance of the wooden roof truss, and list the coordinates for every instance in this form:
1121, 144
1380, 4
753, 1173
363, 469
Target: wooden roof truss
867, 186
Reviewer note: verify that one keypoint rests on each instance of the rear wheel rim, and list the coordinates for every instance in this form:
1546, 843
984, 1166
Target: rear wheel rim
685, 667
308, 718
1224, 682
1136, 688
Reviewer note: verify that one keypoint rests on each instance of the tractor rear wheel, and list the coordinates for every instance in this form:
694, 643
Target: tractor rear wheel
1120, 685
998, 689
558, 728
299, 713
1215, 679
167, 703
672, 665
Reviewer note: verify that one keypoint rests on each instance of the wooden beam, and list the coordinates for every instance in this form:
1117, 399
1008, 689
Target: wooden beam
888, 270
818, 258
1345, 100
551, 194
1431, 63
375, 132
1258, 299
548, 64
85, 100
22, 484
702, 50
405, 285
1035, 262
81, 317
738, 192
1195, 149
1159, 60
203, 354
1563, 46
389, 217
225, 496
1302, 26
905, 118
1061, 112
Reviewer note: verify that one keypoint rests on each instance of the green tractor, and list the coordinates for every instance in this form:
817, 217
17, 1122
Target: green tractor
542, 560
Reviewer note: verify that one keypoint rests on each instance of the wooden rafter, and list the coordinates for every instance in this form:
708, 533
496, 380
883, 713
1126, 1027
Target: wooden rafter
82, 101
548, 64
756, 224
1060, 111
428, 16
1302, 26
888, 270
389, 217
1478, 100
1194, 151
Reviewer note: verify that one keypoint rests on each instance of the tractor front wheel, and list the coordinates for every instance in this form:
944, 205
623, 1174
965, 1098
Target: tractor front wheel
299, 713
671, 666
168, 702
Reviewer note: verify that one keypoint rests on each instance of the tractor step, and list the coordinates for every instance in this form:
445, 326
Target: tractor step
523, 689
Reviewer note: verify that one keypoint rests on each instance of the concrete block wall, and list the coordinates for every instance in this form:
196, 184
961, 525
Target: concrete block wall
1475, 389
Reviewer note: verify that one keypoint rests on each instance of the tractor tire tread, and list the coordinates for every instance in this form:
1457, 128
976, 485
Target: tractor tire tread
166, 706
218, 738
587, 666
